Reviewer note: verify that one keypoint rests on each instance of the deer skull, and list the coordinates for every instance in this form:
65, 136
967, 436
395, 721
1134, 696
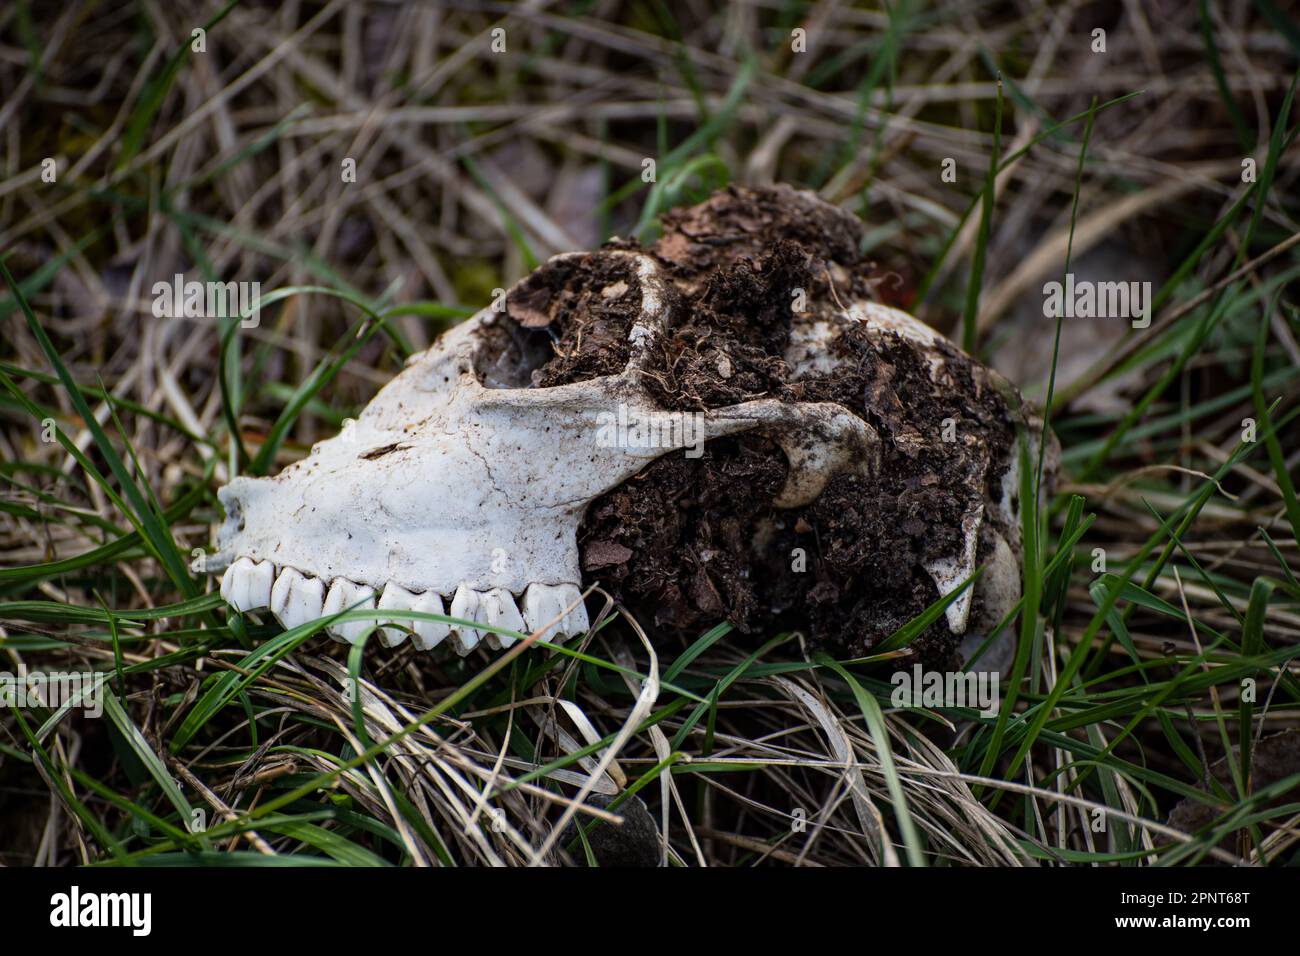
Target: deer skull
461, 487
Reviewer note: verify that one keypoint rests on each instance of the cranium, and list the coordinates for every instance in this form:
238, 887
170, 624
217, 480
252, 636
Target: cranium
464, 485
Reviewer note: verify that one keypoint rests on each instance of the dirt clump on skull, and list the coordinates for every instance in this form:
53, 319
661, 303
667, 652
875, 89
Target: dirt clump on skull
763, 292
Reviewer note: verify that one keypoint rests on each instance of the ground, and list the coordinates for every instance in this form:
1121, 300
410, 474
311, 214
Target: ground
382, 170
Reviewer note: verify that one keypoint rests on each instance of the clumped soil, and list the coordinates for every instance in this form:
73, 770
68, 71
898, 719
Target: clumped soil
568, 323
696, 540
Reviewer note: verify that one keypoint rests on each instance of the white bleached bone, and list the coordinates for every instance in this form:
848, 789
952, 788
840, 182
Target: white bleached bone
949, 573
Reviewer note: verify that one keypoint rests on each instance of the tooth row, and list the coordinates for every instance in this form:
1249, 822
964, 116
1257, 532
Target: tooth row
296, 598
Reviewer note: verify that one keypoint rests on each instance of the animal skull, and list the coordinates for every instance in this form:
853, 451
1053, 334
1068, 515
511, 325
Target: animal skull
461, 487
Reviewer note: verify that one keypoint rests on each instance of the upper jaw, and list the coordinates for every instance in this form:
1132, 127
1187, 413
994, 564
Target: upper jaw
347, 528
370, 530
425, 509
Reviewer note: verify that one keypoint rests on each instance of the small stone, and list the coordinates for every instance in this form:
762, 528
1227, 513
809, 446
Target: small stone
604, 554
634, 843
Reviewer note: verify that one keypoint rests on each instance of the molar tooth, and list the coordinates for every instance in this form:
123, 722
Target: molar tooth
296, 598
395, 598
429, 634
542, 604
343, 596
575, 622
246, 585
465, 605
498, 607
234, 583
259, 585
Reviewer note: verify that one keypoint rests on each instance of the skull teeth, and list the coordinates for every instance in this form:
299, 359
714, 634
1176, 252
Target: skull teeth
498, 607
465, 605
545, 606
295, 598
426, 634
246, 585
344, 595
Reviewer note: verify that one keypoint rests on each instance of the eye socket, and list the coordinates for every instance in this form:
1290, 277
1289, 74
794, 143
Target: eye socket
510, 353
568, 321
